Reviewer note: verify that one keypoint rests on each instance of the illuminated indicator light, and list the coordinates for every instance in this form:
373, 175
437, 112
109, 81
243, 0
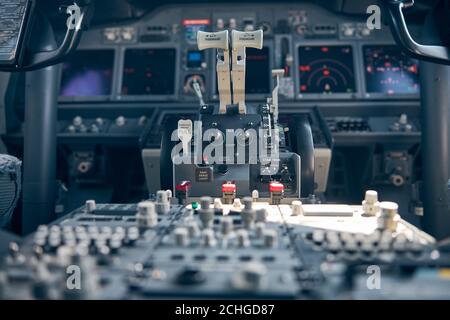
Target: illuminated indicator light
324, 49
194, 205
303, 87
444, 273
413, 69
304, 68
276, 187
326, 72
190, 22
184, 186
228, 187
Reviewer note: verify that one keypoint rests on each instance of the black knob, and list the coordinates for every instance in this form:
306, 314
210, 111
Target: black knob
190, 275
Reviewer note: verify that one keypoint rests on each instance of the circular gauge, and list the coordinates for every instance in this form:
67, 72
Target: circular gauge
389, 71
326, 69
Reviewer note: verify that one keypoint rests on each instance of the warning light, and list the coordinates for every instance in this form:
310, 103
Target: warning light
228, 187
276, 187
190, 22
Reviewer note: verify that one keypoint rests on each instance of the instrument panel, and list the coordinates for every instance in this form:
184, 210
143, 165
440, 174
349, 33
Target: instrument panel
325, 56
149, 72
389, 71
88, 73
257, 78
326, 69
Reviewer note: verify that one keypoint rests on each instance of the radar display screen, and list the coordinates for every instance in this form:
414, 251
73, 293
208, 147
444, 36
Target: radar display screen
326, 69
257, 75
149, 72
389, 71
87, 73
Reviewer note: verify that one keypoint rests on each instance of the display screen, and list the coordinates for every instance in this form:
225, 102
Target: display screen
87, 73
192, 26
149, 71
194, 59
257, 75
326, 69
388, 70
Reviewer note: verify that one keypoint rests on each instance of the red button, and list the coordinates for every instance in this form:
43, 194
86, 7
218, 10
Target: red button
184, 186
228, 187
276, 187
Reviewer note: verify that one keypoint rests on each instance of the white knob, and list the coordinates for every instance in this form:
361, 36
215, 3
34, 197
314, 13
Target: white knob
371, 196
162, 204
220, 24
99, 121
371, 206
259, 229
248, 203
146, 216
389, 209
226, 225
193, 229
297, 208
261, 215
232, 23
318, 236
217, 203
252, 276
142, 120
90, 206
209, 240
403, 119
242, 238
120, 121
255, 195
181, 236
365, 32
349, 31
77, 121
237, 203
205, 202
270, 238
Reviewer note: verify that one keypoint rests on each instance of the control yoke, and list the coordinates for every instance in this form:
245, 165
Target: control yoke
236, 73
431, 53
22, 57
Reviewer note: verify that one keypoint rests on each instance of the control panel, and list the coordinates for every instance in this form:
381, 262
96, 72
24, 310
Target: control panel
209, 249
125, 81
157, 58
